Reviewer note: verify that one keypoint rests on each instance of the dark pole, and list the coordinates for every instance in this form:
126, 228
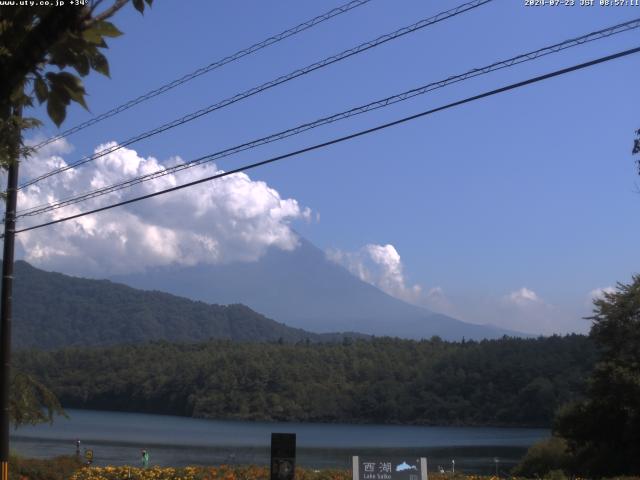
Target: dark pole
5, 309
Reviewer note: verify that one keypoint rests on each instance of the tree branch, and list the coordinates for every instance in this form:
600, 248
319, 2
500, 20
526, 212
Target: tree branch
95, 4
117, 5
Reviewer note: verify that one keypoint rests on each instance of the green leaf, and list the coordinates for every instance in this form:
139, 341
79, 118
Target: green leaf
100, 64
68, 87
138, 5
91, 35
81, 64
77, 95
60, 93
107, 29
56, 109
42, 91
61, 56
149, 2
64, 78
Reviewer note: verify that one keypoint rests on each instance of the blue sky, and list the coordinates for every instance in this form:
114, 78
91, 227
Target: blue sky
534, 189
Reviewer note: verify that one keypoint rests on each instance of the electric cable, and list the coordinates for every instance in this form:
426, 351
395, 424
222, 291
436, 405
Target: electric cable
334, 141
265, 86
206, 69
525, 57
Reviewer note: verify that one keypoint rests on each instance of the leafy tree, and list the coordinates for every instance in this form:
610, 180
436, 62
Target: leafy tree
30, 402
603, 431
38, 46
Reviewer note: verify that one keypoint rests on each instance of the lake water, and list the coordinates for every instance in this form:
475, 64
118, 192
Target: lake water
116, 438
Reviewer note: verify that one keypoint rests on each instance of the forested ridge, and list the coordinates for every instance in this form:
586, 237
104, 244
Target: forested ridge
53, 310
493, 382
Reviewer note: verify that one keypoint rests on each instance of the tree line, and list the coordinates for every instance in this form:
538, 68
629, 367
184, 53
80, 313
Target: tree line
510, 381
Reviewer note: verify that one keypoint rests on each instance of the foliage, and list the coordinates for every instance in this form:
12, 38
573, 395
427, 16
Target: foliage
222, 472
555, 475
68, 468
59, 468
603, 431
543, 458
30, 402
499, 382
37, 43
52, 310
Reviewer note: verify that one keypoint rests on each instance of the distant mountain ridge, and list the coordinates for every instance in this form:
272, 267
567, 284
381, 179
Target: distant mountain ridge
52, 310
304, 289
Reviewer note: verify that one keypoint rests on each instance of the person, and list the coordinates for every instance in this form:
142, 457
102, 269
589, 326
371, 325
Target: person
145, 458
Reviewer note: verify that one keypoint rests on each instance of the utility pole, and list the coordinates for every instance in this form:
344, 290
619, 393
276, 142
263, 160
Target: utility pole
6, 294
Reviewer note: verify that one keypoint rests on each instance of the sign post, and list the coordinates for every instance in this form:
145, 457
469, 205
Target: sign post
283, 456
366, 468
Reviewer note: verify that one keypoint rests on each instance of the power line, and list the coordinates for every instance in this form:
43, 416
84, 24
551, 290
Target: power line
525, 57
208, 68
512, 86
265, 86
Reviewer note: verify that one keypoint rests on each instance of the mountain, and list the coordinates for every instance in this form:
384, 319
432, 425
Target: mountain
53, 310
302, 288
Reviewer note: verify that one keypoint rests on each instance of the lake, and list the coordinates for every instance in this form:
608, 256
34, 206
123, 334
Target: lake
116, 438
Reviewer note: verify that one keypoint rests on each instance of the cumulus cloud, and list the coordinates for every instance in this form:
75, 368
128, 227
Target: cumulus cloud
523, 297
521, 310
381, 266
525, 310
234, 218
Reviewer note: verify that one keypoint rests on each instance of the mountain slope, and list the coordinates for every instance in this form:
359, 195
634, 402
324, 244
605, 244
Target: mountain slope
304, 289
53, 310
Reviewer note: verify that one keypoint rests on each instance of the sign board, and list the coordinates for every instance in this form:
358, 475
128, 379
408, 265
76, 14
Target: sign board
397, 468
88, 454
283, 456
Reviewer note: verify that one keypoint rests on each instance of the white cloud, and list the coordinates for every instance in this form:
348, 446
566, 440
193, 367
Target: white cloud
523, 297
381, 266
525, 310
522, 310
230, 219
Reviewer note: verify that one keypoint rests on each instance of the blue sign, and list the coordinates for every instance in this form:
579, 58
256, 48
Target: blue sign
382, 468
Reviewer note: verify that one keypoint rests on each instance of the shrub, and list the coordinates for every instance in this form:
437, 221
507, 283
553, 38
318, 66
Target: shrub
59, 468
548, 459
555, 475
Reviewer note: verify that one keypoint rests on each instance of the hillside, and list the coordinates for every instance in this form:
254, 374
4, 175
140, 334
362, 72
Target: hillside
52, 310
495, 382
304, 289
